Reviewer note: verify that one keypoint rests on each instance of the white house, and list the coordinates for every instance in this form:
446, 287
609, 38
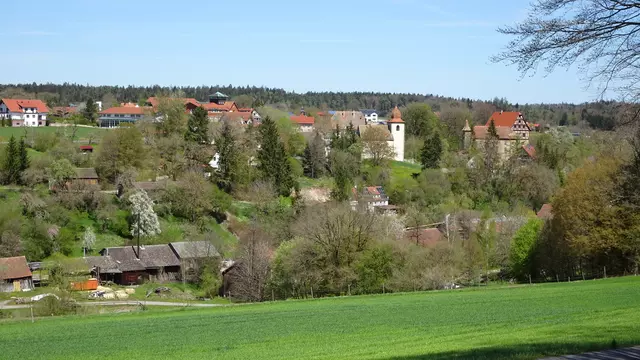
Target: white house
24, 112
306, 123
370, 115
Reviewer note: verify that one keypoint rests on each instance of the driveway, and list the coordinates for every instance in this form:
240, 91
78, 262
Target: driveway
7, 306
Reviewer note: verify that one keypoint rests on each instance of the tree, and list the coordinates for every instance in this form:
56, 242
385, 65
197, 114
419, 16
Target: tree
431, 152
251, 272
88, 240
171, 110
344, 168
523, 247
315, 159
193, 197
375, 144
90, 111
420, 120
272, 159
592, 33
60, 172
144, 219
11, 164
23, 160
491, 149
229, 156
198, 126
120, 149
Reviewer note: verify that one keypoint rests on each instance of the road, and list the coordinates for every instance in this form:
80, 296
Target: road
6, 306
619, 354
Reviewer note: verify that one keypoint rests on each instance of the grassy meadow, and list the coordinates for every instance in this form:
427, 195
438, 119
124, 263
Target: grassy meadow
82, 133
502, 322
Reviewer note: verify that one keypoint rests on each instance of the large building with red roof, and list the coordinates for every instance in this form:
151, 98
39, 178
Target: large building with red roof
24, 112
511, 129
115, 116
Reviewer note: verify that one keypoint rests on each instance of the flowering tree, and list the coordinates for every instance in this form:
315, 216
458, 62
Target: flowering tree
88, 239
145, 219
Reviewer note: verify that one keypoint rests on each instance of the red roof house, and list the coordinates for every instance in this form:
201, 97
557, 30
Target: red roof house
18, 105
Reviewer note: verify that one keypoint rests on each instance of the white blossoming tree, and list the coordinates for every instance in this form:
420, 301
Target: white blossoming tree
88, 239
145, 219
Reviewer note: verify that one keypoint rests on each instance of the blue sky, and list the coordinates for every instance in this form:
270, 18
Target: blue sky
423, 46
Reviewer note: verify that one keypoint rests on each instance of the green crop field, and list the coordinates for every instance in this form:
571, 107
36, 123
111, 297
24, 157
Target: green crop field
521, 322
82, 133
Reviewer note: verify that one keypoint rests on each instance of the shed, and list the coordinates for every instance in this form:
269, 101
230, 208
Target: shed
193, 255
15, 274
86, 176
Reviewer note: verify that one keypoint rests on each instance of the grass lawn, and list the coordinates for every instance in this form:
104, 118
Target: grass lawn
82, 133
517, 322
404, 170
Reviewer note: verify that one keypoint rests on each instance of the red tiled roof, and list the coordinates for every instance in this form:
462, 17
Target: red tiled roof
426, 237
65, 109
504, 133
126, 110
86, 147
153, 101
128, 104
245, 109
545, 212
14, 268
227, 106
504, 118
303, 120
16, 105
236, 115
530, 150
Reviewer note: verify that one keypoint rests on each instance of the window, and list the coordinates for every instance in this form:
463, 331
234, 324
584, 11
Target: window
397, 127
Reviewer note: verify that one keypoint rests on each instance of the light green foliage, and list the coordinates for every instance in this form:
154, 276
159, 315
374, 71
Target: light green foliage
60, 172
121, 149
174, 118
374, 268
516, 325
522, 248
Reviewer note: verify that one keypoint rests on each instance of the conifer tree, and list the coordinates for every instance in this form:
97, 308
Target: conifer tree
228, 155
431, 152
90, 112
11, 164
198, 126
23, 160
314, 161
273, 163
491, 143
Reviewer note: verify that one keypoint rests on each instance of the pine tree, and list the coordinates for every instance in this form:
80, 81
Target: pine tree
314, 161
351, 135
491, 155
11, 164
90, 112
431, 152
23, 160
335, 138
228, 152
493, 132
198, 126
273, 163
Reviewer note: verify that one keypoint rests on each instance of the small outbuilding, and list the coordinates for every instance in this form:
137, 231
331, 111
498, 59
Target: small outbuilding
15, 274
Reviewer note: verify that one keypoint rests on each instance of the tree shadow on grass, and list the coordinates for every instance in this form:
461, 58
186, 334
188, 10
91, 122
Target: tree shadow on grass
530, 351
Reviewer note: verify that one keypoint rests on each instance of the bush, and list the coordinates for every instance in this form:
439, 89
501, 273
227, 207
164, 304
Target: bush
56, 306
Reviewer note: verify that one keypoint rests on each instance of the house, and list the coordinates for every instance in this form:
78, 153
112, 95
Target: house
370, 115
218, 103
104, 268
304, 122
114, 116
156, 263
369, 198
24, 112
344, 118
254, 115
15, 274
193, 255
512, 130
64, 111
85, 176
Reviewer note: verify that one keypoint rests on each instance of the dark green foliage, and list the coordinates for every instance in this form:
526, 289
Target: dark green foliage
493, 133
314, 161
198, 126
344, 168
227, 175
431, 152
11, 164
90, 111
23, 160
272, 159
343, 139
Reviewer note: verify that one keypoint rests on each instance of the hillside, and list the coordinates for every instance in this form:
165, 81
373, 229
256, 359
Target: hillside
509, 322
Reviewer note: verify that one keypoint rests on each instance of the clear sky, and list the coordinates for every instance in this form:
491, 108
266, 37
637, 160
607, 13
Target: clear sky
423, 46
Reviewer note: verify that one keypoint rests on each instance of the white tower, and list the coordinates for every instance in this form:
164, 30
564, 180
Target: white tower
396, 128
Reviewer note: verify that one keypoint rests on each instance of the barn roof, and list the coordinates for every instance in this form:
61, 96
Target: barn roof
14, 268
86, 173
193, 249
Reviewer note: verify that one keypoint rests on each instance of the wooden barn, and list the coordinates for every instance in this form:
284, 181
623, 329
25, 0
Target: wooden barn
15, 274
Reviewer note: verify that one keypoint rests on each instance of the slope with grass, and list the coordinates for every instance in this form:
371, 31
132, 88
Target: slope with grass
521, 322
83, 133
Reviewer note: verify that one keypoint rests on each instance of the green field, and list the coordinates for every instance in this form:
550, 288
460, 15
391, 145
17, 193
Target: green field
82, 133
521, 322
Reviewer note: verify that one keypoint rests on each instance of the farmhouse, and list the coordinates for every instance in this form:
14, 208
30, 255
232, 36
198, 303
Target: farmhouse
306, 123
369, 198
511, 128
15, 274
150, 262
24, 112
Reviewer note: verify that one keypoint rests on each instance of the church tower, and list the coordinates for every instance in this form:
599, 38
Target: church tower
396, 128
466, 131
